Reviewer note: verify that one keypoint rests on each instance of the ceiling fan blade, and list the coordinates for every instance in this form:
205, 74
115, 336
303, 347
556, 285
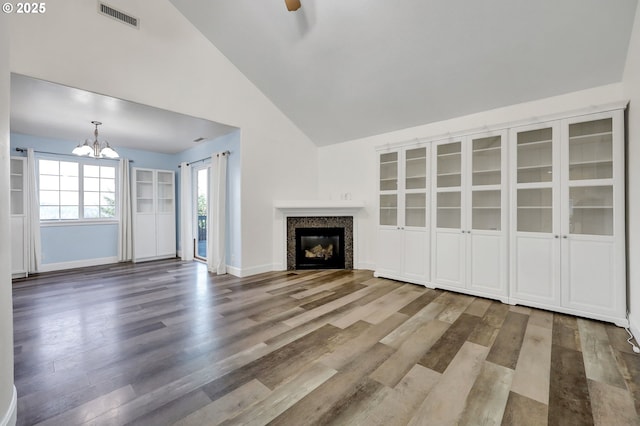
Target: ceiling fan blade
292, 5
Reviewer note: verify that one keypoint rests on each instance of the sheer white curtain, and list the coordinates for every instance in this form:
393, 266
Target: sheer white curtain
216, 236
186, 212
125, 230
33, 213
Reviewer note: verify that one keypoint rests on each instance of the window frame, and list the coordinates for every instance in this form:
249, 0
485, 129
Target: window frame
81, 220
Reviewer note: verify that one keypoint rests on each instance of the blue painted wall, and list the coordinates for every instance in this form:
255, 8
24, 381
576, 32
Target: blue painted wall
77, 242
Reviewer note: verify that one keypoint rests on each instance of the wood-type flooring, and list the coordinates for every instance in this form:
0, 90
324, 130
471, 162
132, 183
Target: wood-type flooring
166, 342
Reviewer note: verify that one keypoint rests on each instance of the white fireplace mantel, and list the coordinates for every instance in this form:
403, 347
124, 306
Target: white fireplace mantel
319, 207
310, 208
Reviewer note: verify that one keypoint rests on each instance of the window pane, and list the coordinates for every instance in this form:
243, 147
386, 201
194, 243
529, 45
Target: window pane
91, 184
108, 172
47, 213
69, 198
91, 212
49, 198
68, 169
91, 198
49, 182
69, 183
91, 171
108, 185
68, 212
48, 167
107, 211
108, 199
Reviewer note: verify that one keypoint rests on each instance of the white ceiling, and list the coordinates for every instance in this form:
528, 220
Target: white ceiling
347, 69
50, 110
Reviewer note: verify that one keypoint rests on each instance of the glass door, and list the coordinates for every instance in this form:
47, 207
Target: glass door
201, 209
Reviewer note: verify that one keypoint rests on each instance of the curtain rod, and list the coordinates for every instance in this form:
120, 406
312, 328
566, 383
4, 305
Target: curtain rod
205, 158
67, 155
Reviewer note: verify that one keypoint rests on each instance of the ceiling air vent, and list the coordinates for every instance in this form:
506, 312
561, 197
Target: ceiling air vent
118, 15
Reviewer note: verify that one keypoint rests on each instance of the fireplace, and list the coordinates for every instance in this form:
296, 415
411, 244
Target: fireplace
320, 242
319, 248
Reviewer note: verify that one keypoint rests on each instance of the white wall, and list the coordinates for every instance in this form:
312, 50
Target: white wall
168, 64
631, 82
7, 390
351, 166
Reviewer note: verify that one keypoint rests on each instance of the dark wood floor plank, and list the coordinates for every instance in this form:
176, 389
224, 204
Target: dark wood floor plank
569, 401
445, 349
506, 348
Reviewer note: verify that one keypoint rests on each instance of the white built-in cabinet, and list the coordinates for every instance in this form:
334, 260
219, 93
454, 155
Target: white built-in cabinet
469, 244
403, 225
154, 214
530, 214
568, 219
19, 220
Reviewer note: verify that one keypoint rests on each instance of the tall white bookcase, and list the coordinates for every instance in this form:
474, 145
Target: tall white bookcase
469, 245
19, 220
568, 216
154, 214
403, 221
530, 214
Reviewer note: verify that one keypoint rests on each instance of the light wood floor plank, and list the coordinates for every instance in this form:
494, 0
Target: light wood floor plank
441, 407
531, 378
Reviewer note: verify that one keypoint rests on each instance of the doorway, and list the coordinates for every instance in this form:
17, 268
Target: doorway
201, 209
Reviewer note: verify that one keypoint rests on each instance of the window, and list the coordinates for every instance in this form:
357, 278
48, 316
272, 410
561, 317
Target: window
71, 190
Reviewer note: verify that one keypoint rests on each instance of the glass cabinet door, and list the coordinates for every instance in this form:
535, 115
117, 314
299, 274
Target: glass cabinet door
486, 179
165, 192
415, 208
449, 185
17, 186
388, 189
535, 180
144, 191
591, 158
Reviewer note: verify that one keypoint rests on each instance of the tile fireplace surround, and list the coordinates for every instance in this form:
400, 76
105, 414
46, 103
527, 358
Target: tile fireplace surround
345, 222
318, 214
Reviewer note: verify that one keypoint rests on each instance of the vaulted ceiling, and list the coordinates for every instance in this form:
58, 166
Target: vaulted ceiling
342, 70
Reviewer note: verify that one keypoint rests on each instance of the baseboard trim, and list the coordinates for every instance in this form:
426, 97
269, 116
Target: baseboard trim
369, 266
634, 325
11, 416
50, 267
246, 272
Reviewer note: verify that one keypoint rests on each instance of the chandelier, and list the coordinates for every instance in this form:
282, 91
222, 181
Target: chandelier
95, 149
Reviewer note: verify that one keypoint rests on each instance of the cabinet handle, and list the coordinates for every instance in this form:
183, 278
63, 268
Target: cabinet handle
565, 237
468, 232
462, 231
556, 236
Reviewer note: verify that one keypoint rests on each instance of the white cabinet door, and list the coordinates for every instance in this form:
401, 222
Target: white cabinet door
536, 272
449, 258
535, 219
415, 265
145, 241
18, 245
487, 268
389, 262
593, 215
